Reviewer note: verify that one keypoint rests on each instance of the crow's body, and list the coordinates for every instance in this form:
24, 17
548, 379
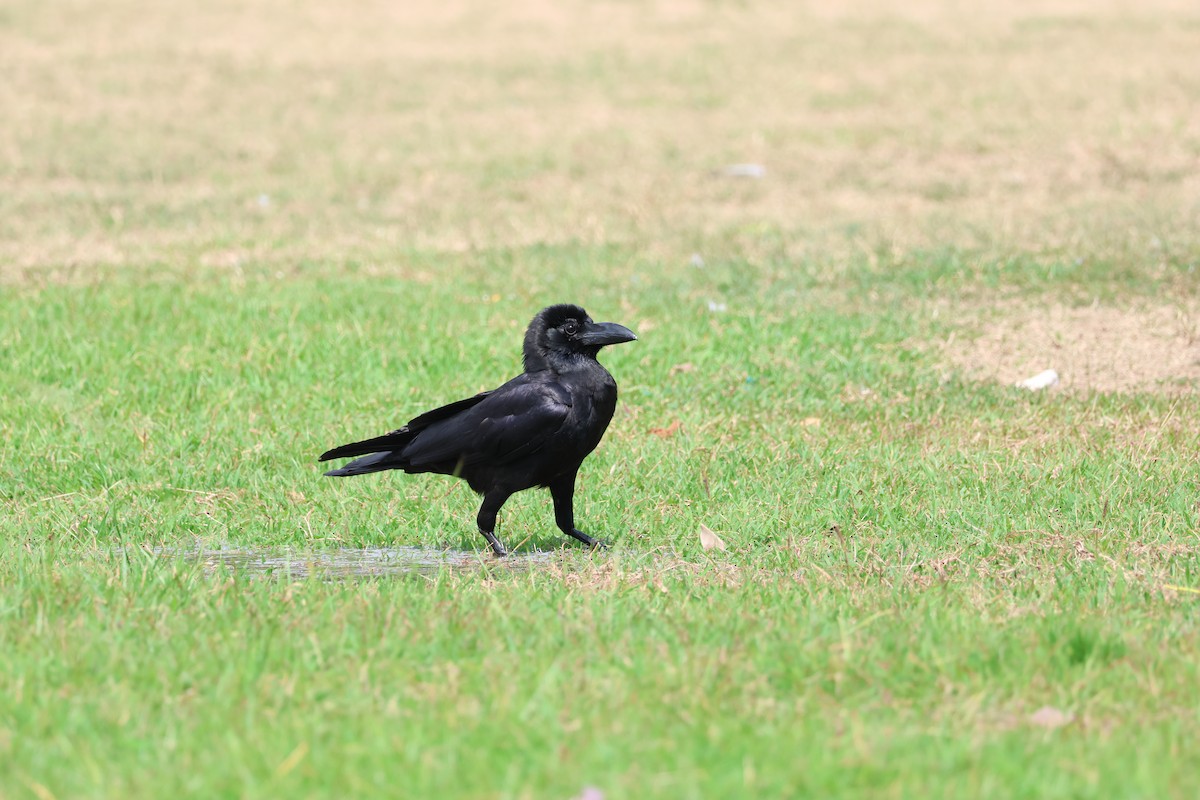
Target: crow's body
533, 431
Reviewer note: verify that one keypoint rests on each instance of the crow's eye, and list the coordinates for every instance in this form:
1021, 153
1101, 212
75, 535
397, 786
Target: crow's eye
570, 327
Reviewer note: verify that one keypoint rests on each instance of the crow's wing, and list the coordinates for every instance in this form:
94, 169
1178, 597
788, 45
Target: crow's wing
420, 423
513, 421
399, 438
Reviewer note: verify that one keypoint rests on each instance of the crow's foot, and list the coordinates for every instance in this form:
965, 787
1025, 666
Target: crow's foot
593, 543
497, 547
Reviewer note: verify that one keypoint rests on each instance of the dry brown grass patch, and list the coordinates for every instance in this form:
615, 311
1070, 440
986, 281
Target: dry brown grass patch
1151, 348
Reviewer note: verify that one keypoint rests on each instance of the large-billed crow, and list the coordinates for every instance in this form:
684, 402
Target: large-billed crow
534, 430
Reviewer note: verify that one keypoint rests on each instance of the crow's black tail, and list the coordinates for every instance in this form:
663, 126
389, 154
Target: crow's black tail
376, 462
382, 452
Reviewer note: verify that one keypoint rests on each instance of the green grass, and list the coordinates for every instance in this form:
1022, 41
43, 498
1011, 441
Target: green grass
907, 581
302, 223
135, 678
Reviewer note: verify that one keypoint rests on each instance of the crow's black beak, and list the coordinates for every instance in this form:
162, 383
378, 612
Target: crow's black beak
598, 334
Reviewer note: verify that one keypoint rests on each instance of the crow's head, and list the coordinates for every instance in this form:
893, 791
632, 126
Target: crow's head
565, 331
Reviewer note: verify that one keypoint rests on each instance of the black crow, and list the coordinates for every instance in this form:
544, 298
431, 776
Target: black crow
534, 430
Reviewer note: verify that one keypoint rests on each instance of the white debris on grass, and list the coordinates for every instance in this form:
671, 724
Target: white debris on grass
1043, 380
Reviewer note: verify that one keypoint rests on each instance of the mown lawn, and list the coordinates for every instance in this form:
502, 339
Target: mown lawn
224, 253
915, 567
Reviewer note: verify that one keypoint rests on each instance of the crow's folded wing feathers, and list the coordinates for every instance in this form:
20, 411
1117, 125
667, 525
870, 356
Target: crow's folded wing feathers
417, 424
513, 421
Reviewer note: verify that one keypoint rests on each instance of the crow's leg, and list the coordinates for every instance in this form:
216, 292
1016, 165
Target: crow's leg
492, 502
563, 492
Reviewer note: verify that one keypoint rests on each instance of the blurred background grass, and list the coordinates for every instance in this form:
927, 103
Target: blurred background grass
280, 132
